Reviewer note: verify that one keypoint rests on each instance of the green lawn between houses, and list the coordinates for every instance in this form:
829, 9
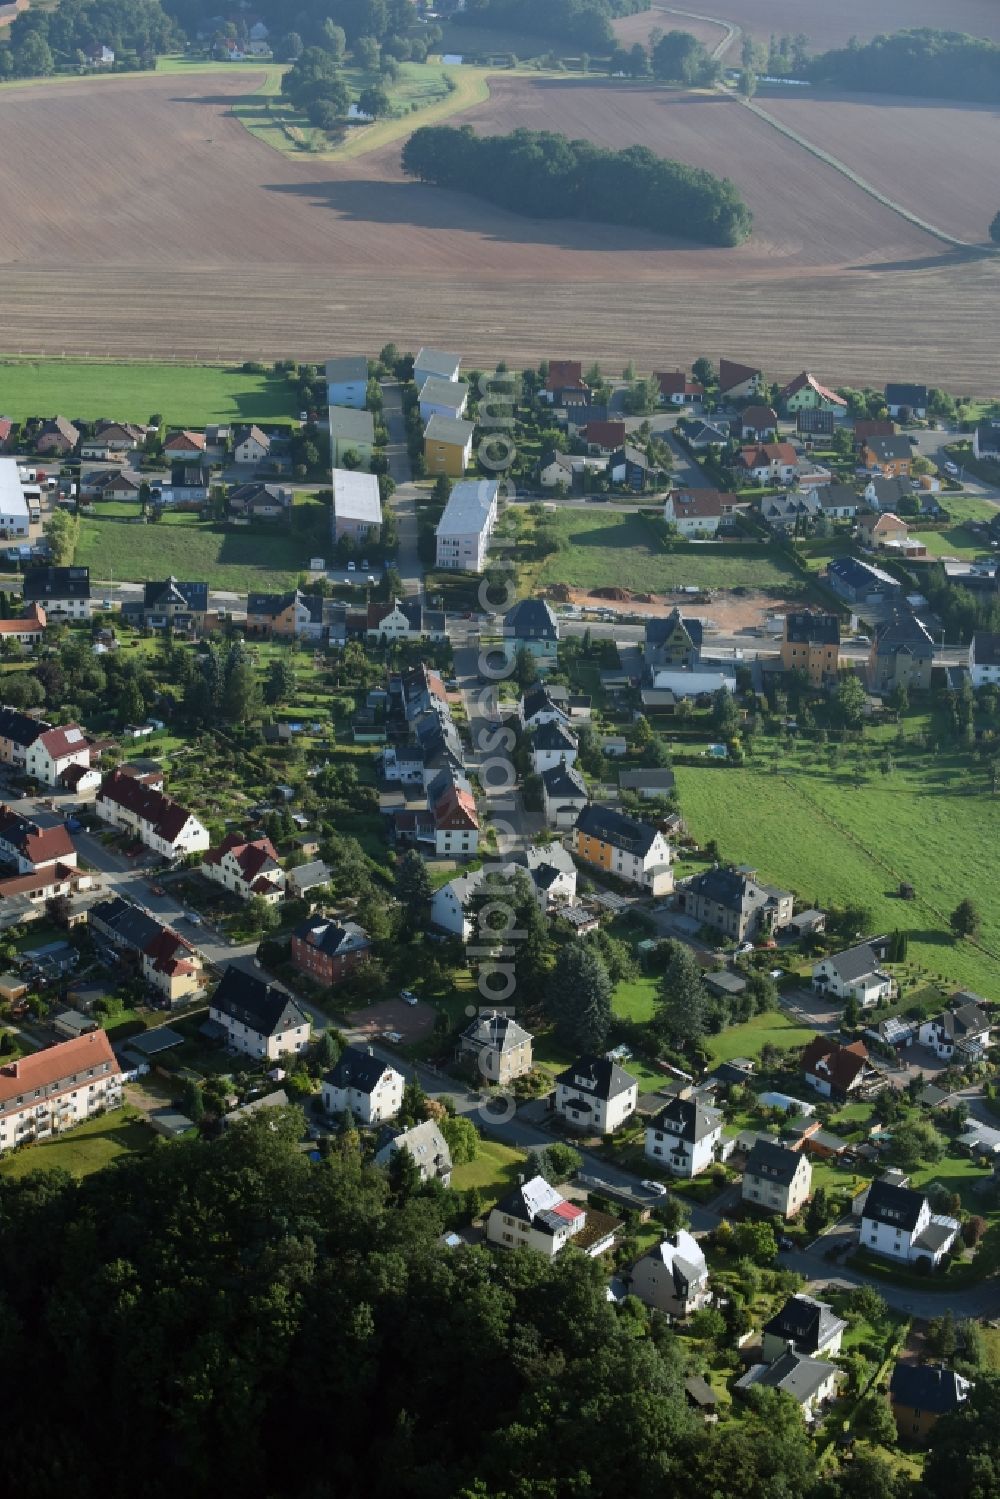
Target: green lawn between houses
188, 547
494, 1170
185, 395
87, 1148
809, 831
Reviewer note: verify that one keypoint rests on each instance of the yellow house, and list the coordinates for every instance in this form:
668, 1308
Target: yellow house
812, 644
448, 445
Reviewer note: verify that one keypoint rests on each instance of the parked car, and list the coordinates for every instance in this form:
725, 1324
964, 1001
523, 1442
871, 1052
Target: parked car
352, 567
408, 997
192, 917
657, 1188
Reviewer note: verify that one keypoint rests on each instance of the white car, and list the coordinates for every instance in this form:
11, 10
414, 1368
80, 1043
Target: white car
394, 1036
352, 567
657, 1188
408, 997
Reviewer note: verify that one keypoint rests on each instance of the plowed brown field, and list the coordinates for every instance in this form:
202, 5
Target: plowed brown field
138, 217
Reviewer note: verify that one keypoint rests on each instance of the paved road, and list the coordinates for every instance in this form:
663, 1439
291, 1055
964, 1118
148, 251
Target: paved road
404, 501
514, 826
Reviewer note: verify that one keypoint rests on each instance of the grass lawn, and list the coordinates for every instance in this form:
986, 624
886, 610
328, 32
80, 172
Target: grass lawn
84, 1149
184, 394
494, 1169
810, 830
634, 999
605, 548
189, 547
967, 507
957, 541
955, 1173
749, 1039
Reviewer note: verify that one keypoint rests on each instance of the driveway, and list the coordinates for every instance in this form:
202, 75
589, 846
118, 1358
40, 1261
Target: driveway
404, 500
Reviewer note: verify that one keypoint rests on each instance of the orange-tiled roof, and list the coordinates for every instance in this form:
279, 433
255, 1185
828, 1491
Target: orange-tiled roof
43, 1068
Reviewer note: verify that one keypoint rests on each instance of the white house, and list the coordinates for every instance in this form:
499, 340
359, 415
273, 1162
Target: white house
633, 851
554, 874
683, 1137
49, 1091
965, 1030
28, 847
435, 364
853, 974
357, 506
466, 525
596, 1095
59, 590
449, 902
694, 512
809, 1381
777, 1179
138, 805
347, 381
898, 1223
550, 745
564, 795
427, 1148
672, 1276
535, 1216
986, 439
55, 751
808, 1326
258, 1018
370, 1088
248, 867
984, 659
14, 520
252, 445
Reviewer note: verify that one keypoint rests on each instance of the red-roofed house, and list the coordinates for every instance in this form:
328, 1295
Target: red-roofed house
172, 966
456, 822
55, 751
184, 447
695, 512
805, 393
739, 382
247, 867
866, 428
29, 847
157, 820
603, 437
48, 881
51, 1090
758, 423
676, 389
6, 428
837, 1071
29, 629
769, 462
565, 385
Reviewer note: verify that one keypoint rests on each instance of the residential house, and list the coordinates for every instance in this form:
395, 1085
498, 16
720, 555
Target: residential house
175, 605
361, 1082
462, 535
694, 512
497, 1047
633, 851
448, 445
603, 437
811, 425
984, 658
18, 732
986, 440
736, 903
811, 644
673, 643
404, 619
347, 381
453, 811
859, 582
565, 385
629, 466
61, 591
58, 437
449, 905
805, 393
768, 462
920, 1394
184, 447
678, 389
837, 1071
111, 441
808, 1381
531, 625
595, 1095
257, 501
901, 655
906, 401
552, 744
739, 382
837, 501
556, 468
49, 1091
247, 866
883, 493
258, 1018
672, 1277
28, 629
14, 517
649, 784
138, 805
535, 1216
892, 457
789, 512
542, 703
166, 961
808, 1326
357, 506
427, 1148
305, 878
53, 752
435, 364
564, 795
100, 55
327, 950
757, 424
703, 436
963, 1032
866, 428
443, 398
856, 973
553, 875
684, 1136
295, 616
351, 431
29, 847
251, 445
777, 1179
898, 1223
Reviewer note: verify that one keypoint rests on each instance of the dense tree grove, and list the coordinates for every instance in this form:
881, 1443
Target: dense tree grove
41, 38
945, 64
544, 175
585, 23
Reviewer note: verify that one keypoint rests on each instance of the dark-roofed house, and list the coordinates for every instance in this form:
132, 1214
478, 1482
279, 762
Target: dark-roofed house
855, 973
672, 1276
59, 590
629, 465
683, 1137
498, 1048
258, 1018
986, 439
532, 626
757, 423
648, 784
777, 1179
898, 1223
535, 1216
901, 655
18, 732
860, 582
633, 851
672, 644
541, 703
811, 644
810, 1326
837, 1071
564, 795
838, 501
166, 961
809, 1381
179, 606
906, 400
965, 1029
890, 456
596, 1095
552, 744
739, 381
132, 803
984, 659
734, 902
256, 501
920, 1394
328, 950
363, 1083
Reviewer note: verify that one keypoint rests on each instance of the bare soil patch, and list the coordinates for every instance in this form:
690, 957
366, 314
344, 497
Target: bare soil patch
631, 29
729, 611
413, 1022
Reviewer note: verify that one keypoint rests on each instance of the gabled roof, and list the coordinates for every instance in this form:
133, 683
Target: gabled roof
927, 1387
696, 504
798, 1376
733, 889
185, 441
347, 369
840, 1065
262, 1007
41, 583
132, 926
676, 383
898, 1207
761, 418
538, 1203
905, 395
193, 596
564, 780
858, 574
854, 962
837, 496
605, 434
253, 856
20, 728
804, 381
658, 631
451, 430
867, 427
531, 619
358, 1068
766, 453
553, 735
731, 374
807, 1323
888, 448
696, 1119
437, 362
540, 699
598, 1077
36, 844
62, 427
166, 817
904, 634
986, 648
565, 374
682, 1256
626, 833
967, 1020
773, 1162
57, 1064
